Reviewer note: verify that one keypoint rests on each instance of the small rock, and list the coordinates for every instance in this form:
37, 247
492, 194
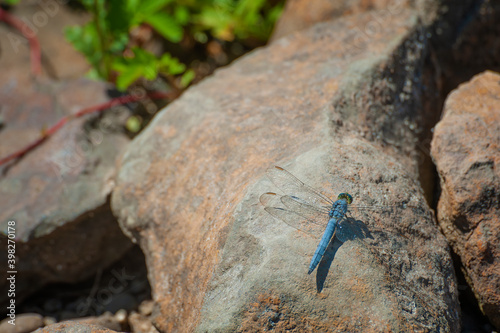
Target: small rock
146, 307
121, 316
25, 323
49, 321
141, 324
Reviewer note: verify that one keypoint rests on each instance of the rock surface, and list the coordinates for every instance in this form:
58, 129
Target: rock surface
302, 14
466, 150
47, 19
264, 262
73, 327
57, 194
24, 323
141, 323
320, 103
106, 320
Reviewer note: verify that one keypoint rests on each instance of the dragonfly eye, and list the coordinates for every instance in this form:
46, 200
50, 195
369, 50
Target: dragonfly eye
345, 196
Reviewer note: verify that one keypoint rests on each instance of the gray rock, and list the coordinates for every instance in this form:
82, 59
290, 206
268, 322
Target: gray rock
57, 194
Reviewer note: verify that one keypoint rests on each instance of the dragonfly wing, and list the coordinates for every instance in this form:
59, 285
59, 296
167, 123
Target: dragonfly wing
304, 209
272, 203
293, 187
389, 209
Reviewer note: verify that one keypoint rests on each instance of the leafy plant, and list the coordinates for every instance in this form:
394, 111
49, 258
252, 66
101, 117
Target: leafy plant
145, 64
107, 45
104, 39
229, 19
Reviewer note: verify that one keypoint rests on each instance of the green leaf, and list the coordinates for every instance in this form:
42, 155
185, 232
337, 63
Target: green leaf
83, 38
93, 74
165, 24
213, 18
181, 15
170, 65
141, 55
218, 21
142, 64
133, 5
149, 7
248, 7
120, 15
86, 40
119, 42
187, 78
127, 77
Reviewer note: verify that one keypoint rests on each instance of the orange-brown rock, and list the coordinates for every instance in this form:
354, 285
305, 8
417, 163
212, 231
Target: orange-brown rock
302, 14
466, 150
321, 103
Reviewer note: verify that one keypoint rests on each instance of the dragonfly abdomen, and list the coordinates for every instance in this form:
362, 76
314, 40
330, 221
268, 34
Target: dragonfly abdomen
339, 208
325, 239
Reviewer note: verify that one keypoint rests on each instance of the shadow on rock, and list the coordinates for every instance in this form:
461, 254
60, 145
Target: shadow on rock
362, 232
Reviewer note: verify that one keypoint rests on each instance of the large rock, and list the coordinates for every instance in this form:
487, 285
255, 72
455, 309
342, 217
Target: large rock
57, 194
466, 150
262, 271
320, 103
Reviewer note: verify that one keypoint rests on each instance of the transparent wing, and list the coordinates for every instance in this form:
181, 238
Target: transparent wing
308, 220
389, 209
304, 209
293, 187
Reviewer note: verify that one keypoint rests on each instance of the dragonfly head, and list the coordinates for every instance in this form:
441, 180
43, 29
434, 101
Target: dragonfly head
345, 196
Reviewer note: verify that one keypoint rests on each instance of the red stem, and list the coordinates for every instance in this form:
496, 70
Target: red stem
30, 35
97, 108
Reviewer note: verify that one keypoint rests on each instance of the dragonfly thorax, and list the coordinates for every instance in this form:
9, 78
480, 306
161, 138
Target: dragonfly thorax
339, 208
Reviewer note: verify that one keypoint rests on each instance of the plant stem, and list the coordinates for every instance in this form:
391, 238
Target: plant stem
30, 35
99, 14
96, 108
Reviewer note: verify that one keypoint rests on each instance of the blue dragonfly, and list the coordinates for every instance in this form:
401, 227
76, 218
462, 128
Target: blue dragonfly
308, 210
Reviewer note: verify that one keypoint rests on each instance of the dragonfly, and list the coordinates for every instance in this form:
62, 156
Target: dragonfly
308, 210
